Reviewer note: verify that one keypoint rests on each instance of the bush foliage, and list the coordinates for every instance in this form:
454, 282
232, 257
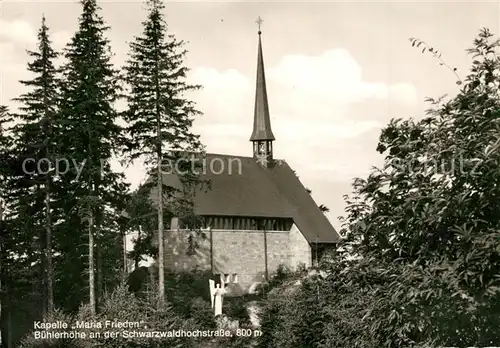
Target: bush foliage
420, 264
125, 306
188, 308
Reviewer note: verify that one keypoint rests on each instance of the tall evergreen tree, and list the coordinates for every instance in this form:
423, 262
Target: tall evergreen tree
5, 142
19, 279
89, 91
36, 135
159, 115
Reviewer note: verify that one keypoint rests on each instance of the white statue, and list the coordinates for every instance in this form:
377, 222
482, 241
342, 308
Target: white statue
217, 295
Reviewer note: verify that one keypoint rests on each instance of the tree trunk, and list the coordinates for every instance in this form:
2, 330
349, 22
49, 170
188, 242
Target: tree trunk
49, 272
161, 261
39, 283
91, 266
48, 252
98, 272
2, 302
5, 315
9, 327
124, 248
161, 253
137, 256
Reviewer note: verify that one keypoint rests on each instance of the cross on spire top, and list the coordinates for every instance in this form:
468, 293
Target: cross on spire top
259, 23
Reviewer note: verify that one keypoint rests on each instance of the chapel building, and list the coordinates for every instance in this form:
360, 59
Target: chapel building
256, 216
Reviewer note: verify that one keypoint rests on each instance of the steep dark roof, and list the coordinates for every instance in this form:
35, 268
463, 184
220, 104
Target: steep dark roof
246, 188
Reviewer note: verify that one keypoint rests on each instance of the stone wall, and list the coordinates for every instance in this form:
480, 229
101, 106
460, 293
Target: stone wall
278, 249
237, 254
300, 250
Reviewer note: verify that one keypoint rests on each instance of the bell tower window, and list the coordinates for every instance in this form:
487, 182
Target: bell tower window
263, 149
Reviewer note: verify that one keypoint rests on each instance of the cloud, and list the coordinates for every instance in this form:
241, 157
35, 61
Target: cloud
223, 93
325, 116
22, 34
17, 31
335, 76
59, 39
403, 92
12, 69
16, 36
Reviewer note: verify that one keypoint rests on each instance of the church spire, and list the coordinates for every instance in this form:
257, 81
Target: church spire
262, 135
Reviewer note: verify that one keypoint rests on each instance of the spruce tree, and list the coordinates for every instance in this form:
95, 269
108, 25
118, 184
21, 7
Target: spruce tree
36, 136
89, 92
159, 115
5, 142
16, 235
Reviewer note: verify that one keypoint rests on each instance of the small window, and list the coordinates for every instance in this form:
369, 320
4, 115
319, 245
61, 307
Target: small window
227, 278
254, 225
217, 278
235, 278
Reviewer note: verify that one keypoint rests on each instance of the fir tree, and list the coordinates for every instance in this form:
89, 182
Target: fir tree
158, 114
16, 234
36, 136
5, 142
89, 91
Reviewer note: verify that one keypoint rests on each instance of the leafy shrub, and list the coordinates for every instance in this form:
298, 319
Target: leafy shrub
202, 314
236, 309
420, 263
122, 305
182, 287
31, 342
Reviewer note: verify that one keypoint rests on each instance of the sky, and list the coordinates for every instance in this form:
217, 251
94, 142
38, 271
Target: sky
337, 72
